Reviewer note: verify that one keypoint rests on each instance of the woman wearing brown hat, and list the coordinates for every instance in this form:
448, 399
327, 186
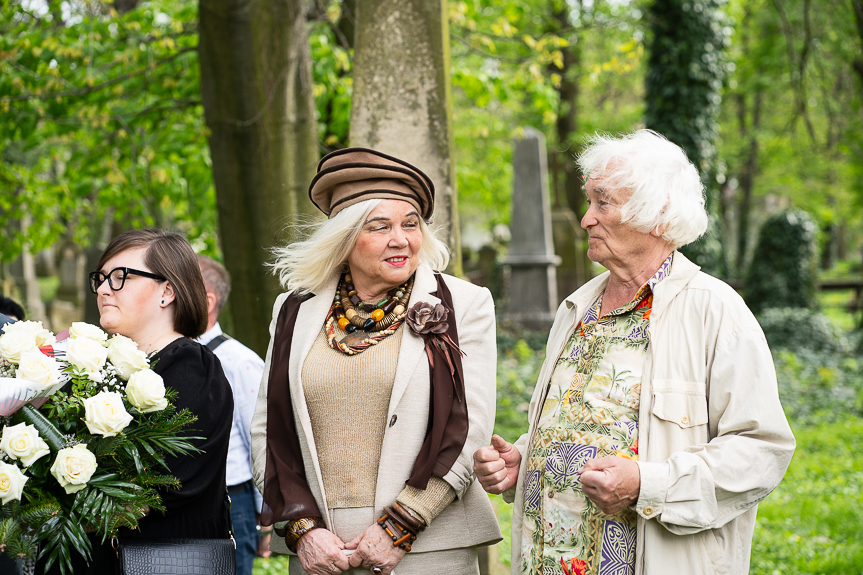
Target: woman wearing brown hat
381, 385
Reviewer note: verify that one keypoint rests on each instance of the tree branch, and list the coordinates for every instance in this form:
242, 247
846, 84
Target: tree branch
797, 64
97, 87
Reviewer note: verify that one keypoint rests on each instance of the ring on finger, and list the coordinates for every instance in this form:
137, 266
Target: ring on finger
377, 570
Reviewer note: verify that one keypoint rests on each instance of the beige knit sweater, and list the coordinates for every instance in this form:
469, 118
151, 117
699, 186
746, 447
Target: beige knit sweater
348, 398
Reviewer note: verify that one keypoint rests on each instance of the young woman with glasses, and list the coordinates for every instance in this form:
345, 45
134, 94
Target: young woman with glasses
149, 288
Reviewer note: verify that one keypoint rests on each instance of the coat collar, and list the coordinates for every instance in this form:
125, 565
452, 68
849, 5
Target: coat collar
682, 271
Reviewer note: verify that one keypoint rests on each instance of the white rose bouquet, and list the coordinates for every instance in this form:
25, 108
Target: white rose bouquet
85, 426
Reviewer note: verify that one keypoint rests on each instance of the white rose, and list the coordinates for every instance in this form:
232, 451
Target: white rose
105, 414
95, 376
80, 329
74, 467
12, 345
126, 357
34, 328
87, 354
37, 367
23, 442
146, 391
11, 483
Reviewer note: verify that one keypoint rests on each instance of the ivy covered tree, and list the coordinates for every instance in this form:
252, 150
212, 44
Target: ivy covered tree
684, 90
685, 74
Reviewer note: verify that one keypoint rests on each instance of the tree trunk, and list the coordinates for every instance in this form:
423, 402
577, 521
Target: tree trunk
747, 179
683, 93
124, 6
857, 6
402, 100
256, 83
567, 197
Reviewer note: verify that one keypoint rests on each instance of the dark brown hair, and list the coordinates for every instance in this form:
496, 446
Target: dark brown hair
170, 255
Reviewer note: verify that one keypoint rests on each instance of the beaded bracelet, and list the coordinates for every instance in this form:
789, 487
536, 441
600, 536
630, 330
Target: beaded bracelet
402, 531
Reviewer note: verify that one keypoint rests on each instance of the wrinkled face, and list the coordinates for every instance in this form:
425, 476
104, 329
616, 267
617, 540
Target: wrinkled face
387, 250
128, 310
612, 242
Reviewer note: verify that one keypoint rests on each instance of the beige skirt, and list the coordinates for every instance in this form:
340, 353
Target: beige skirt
348, 523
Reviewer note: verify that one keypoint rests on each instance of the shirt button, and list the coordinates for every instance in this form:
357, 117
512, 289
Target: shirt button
648, 510
550, 494
684, 420
393, 420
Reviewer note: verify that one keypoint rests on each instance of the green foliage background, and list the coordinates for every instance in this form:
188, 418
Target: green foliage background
783, 269
101, 128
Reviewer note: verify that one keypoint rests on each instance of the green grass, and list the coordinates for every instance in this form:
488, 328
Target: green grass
504, 518
813, 522
834, 304
275, 564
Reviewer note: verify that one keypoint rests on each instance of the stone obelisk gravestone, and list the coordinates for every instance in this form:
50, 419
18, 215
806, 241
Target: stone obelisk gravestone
532, 290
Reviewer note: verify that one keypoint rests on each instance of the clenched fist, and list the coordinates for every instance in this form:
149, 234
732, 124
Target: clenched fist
612, 482
496, 466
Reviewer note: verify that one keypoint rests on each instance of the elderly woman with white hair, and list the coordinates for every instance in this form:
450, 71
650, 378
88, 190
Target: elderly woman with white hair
655, 427
379, 385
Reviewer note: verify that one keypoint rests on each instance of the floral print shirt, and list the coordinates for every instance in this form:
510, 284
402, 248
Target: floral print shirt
591, 411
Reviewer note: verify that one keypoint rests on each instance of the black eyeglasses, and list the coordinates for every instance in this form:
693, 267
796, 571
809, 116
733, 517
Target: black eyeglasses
117, 278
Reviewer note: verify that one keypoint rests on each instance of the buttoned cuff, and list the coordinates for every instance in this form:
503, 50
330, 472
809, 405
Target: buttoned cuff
654, 488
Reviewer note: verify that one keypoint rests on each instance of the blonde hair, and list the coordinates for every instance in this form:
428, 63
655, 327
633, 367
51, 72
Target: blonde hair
664, 188
307, 265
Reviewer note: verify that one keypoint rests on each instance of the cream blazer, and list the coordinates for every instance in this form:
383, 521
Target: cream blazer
467, 521
713, 439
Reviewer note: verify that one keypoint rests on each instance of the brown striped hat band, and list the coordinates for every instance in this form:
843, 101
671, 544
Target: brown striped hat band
352, 175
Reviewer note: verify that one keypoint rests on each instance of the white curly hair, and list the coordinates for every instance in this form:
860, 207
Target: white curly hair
657, 184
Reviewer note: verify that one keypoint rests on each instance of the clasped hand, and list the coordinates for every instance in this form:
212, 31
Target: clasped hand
321, 552
496, 465
374, 548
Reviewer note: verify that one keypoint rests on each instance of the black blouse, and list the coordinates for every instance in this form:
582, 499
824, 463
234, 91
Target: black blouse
197, 508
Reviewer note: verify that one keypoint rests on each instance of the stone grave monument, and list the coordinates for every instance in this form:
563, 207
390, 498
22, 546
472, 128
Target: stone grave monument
532, 294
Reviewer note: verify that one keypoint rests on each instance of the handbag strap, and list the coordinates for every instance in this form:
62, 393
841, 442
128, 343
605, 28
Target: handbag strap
228, 504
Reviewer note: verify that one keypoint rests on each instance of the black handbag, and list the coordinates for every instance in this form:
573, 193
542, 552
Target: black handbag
180, 556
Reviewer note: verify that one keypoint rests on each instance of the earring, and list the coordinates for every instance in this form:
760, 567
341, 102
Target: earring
163, 302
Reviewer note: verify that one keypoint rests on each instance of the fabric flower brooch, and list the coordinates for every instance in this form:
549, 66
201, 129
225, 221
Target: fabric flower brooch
425, 318
429, 322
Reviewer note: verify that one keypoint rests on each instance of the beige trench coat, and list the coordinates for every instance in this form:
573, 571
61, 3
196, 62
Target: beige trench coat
713, 439
469, 520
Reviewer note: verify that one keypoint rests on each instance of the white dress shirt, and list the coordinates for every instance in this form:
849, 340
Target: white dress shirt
244, 369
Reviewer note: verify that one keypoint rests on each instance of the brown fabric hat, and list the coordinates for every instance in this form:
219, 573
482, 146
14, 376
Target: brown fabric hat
352, 175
